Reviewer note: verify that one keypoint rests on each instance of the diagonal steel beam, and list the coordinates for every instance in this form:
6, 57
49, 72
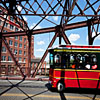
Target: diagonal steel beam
0, 47
44, 56
65, 38
91, 7
81, 12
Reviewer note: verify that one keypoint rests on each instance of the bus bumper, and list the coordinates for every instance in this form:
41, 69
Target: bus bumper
53, 83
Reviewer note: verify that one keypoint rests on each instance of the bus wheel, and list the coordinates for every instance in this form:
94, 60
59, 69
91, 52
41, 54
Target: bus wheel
60, 87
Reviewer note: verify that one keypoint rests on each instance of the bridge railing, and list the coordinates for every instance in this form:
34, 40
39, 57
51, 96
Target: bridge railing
13, 71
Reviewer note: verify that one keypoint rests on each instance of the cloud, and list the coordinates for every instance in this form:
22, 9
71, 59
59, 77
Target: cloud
37, 27
24, 18
40, 50
74, 37
55, 18
47, 17
40, 43
19, 8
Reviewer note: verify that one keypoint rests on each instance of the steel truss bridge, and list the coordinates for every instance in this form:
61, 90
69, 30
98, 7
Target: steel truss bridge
72, 14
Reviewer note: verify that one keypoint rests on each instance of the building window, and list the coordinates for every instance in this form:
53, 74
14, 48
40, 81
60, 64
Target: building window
15, 51
24, 46
16, 37
24, 59
9, 68
24, 40
10, 42
11, 49
24, 53
21, 24
15, 44
25, 26
20, 52
3, 58
16, 29
11, 18
0, 11
16, 22
9, 58
4, 31
6, 25
20, 45
20, 59
11, 27
20, 38
3, 49
0, 22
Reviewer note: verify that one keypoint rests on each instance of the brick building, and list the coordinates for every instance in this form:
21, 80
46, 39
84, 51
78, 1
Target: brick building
18, 44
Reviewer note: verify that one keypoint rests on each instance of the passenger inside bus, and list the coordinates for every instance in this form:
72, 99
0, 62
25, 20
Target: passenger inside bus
88, 66
94, 61
75, 61
83, 62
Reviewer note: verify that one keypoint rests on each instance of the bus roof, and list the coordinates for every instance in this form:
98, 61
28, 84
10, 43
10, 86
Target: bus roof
80, 46
75, 48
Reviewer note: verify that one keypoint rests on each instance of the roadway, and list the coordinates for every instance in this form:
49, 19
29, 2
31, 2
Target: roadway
38, 90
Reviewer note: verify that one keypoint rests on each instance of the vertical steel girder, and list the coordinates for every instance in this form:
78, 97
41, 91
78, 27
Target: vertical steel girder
29, 53
90, 40
0, 48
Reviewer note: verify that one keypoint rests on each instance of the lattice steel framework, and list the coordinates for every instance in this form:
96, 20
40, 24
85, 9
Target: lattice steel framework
72, 14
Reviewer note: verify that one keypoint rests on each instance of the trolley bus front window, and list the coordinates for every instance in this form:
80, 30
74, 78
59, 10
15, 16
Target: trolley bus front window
57, 60
51, 59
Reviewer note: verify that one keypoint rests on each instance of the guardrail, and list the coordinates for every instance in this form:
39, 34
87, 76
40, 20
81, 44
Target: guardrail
13, 71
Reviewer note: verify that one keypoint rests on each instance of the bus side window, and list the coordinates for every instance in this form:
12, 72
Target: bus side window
98, 60
94, 62
57, 59
72, 61
87, 61
76, 61
79, 61
65, 60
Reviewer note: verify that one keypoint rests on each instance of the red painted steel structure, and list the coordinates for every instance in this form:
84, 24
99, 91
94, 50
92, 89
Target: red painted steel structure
66, 8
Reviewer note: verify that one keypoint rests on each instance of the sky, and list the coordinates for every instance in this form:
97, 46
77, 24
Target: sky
76, 36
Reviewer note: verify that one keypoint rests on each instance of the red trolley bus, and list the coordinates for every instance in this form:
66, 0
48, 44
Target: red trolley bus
75, 67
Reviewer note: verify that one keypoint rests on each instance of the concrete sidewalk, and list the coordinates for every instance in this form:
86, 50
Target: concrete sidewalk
37, 78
